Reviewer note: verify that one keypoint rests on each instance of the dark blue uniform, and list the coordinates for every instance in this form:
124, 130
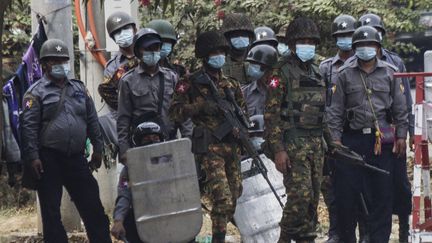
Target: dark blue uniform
58, 140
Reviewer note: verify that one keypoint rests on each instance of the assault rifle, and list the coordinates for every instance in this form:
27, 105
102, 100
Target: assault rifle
236, 122
344, 154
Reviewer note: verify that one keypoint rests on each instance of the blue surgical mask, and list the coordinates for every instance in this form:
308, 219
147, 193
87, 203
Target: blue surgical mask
124, 38
166, 49
365, 53
283, 49
305, 52
151, 58
254, 71
60, 70
344, 43
217, 61
240, 42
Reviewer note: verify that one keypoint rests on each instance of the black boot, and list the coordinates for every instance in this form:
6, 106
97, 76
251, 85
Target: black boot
403, 228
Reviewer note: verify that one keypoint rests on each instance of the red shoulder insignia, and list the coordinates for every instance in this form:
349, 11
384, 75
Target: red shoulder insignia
274, 82
182, 87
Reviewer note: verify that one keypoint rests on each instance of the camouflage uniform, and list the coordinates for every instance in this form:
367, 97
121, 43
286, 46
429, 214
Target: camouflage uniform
217, 158
300, 135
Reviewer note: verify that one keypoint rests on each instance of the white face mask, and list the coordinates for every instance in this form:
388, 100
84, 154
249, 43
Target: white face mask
124, 38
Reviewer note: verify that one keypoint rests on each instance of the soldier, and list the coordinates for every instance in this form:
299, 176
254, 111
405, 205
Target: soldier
294, 128
342, 29
239, 32
121, 28
58, 116
148, 87
146, 133
367, 103
282, 46
402, 189
261, 59
217, 155
264, 35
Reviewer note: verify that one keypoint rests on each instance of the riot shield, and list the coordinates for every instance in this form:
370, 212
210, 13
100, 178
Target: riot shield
165, 191
258, 213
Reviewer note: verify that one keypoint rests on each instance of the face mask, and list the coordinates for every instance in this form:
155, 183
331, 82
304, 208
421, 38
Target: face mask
240, 42
217, 61
60, 70
283, 49
254, 71
256, 142
165, 49
124, 38
365, 53
151, 58
344, 43
305, 52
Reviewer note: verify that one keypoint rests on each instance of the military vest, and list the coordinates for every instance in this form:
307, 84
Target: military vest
304, 99
236, 70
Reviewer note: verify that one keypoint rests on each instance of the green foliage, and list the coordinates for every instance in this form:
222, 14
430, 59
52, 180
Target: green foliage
193, 16
17, 29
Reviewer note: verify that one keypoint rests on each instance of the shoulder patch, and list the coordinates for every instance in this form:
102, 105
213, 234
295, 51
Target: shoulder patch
182, 87
29, 100
274, 82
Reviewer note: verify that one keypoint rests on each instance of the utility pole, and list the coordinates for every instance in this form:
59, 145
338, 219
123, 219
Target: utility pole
58, 15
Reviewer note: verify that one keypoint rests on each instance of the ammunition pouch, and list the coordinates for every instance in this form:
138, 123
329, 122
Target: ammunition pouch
201, 139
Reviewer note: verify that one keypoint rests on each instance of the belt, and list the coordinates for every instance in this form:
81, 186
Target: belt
301, 132
363, 131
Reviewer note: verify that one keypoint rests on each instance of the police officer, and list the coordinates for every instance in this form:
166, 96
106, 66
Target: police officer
169, 39
121, 28
367, 103
58, 116
343, 27
402, 188
264, 35
146, 133
261, 59
239, 32
216, 153
148, 87
282, 46
294, 128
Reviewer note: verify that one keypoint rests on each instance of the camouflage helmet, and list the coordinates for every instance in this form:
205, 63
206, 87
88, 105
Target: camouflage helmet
164, 29
302, 28
282, 31
343, 24
118, 20
145, 36
256, 123
366, 34
263, 54
54, 48
237, 22
264, 35
372, 20
144, 129
209, 41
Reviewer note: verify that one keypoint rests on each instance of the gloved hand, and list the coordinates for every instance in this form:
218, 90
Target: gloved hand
118, 230
95, 162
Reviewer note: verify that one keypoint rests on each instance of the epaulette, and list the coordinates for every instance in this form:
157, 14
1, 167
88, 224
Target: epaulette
396, 69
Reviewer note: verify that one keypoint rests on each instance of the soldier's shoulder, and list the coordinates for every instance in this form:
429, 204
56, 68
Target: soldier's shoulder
168, 72
127, 75
393, 54
390, 66
33, 89
111, 62
349, 63
325, 63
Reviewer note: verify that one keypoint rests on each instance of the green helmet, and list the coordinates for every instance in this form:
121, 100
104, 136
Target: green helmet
366, 34
372, 20
145, 36
263, 54
208, 42
237, 22
54, 48
164, 28
118, 20
302, 28
343, 24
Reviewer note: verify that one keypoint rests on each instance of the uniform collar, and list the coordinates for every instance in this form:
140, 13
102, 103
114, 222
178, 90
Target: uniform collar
49, 82
141, 70
337, 59
379, 63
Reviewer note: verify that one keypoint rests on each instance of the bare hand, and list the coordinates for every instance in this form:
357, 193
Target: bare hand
37, 168
400, 147
282, 162
96, 161
411, 143
118, 230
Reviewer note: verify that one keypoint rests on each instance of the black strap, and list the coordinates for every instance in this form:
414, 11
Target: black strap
161, 92
58, 109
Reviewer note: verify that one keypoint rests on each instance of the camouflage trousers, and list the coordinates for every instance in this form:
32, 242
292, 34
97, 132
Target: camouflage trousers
222, 184
302, 184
